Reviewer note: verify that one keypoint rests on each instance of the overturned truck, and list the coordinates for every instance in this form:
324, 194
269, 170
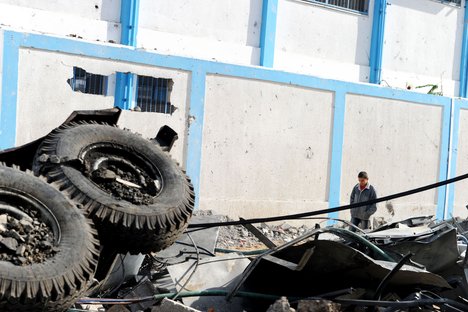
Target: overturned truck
73, 200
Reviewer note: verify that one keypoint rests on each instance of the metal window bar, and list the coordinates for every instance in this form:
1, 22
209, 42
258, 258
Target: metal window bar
85, 82
355, 5
153, 94
457, 2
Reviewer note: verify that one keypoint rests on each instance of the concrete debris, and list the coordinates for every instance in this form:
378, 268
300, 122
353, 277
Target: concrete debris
318, 306
281, 305
238, 237
416, 263
135, 186
311, 305
25, 240
168, 305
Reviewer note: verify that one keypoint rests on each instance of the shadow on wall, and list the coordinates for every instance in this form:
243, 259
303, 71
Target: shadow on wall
364, 33
253, 30
435, 8
430, 7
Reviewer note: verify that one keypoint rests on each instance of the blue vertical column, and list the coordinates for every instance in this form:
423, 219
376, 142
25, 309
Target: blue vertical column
457, 106
9, 96
337, 151
377, 41
445, 147
464, 57
268, 32
124, 94
195, 133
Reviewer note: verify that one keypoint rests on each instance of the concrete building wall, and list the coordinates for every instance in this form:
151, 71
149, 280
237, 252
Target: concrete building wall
422, 42
423, 45
322, 41
266, 148
46, 99
461, 194
226, 30
398, 144
92, 20
1, 64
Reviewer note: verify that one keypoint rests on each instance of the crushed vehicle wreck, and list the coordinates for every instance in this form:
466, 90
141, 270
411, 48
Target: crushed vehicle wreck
325, 269
87, 175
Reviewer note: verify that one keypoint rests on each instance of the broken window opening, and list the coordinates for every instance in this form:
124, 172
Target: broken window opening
89, 83
153, 95
353, 5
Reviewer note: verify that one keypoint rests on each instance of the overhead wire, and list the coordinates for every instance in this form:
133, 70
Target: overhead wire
198, 226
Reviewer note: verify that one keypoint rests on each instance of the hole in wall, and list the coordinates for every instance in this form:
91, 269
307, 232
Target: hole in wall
154, 95
85, 82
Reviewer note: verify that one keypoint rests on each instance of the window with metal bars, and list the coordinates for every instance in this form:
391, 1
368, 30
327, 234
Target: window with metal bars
456, 2
353, 5
154, 95
85, 82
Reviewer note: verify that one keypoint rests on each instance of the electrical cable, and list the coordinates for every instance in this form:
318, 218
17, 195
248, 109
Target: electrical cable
388, 277
184, 294
199, 247
197, 262
329, 210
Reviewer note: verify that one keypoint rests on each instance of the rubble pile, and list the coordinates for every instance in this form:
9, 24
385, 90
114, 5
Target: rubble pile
134, 186
238, 237
416, 264
26, 240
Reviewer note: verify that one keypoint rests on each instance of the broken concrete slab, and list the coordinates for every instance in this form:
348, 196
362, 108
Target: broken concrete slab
168, 305
212, 273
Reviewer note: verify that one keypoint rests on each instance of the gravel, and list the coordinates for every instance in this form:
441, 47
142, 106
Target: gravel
108, 179
25, 241
238, 237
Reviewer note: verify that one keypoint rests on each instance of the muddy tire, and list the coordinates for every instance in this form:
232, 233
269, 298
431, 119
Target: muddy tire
150, 207
55, 283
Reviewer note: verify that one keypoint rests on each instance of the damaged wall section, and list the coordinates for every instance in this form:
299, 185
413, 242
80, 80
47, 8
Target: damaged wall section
45, 103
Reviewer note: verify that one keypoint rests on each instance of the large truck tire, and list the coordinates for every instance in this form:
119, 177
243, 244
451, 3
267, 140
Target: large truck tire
138, 197
57, 248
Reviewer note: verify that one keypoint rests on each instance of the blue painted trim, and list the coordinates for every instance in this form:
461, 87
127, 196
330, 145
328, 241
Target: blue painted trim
377, 40
443, 164
125, 54
268, 32
195, 132
337, 152
459, 105
9, 90
464, 57
124, 85
124, 91
129, 11
14, 40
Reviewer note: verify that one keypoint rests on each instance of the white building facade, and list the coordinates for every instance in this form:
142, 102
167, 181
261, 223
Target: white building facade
278, 103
